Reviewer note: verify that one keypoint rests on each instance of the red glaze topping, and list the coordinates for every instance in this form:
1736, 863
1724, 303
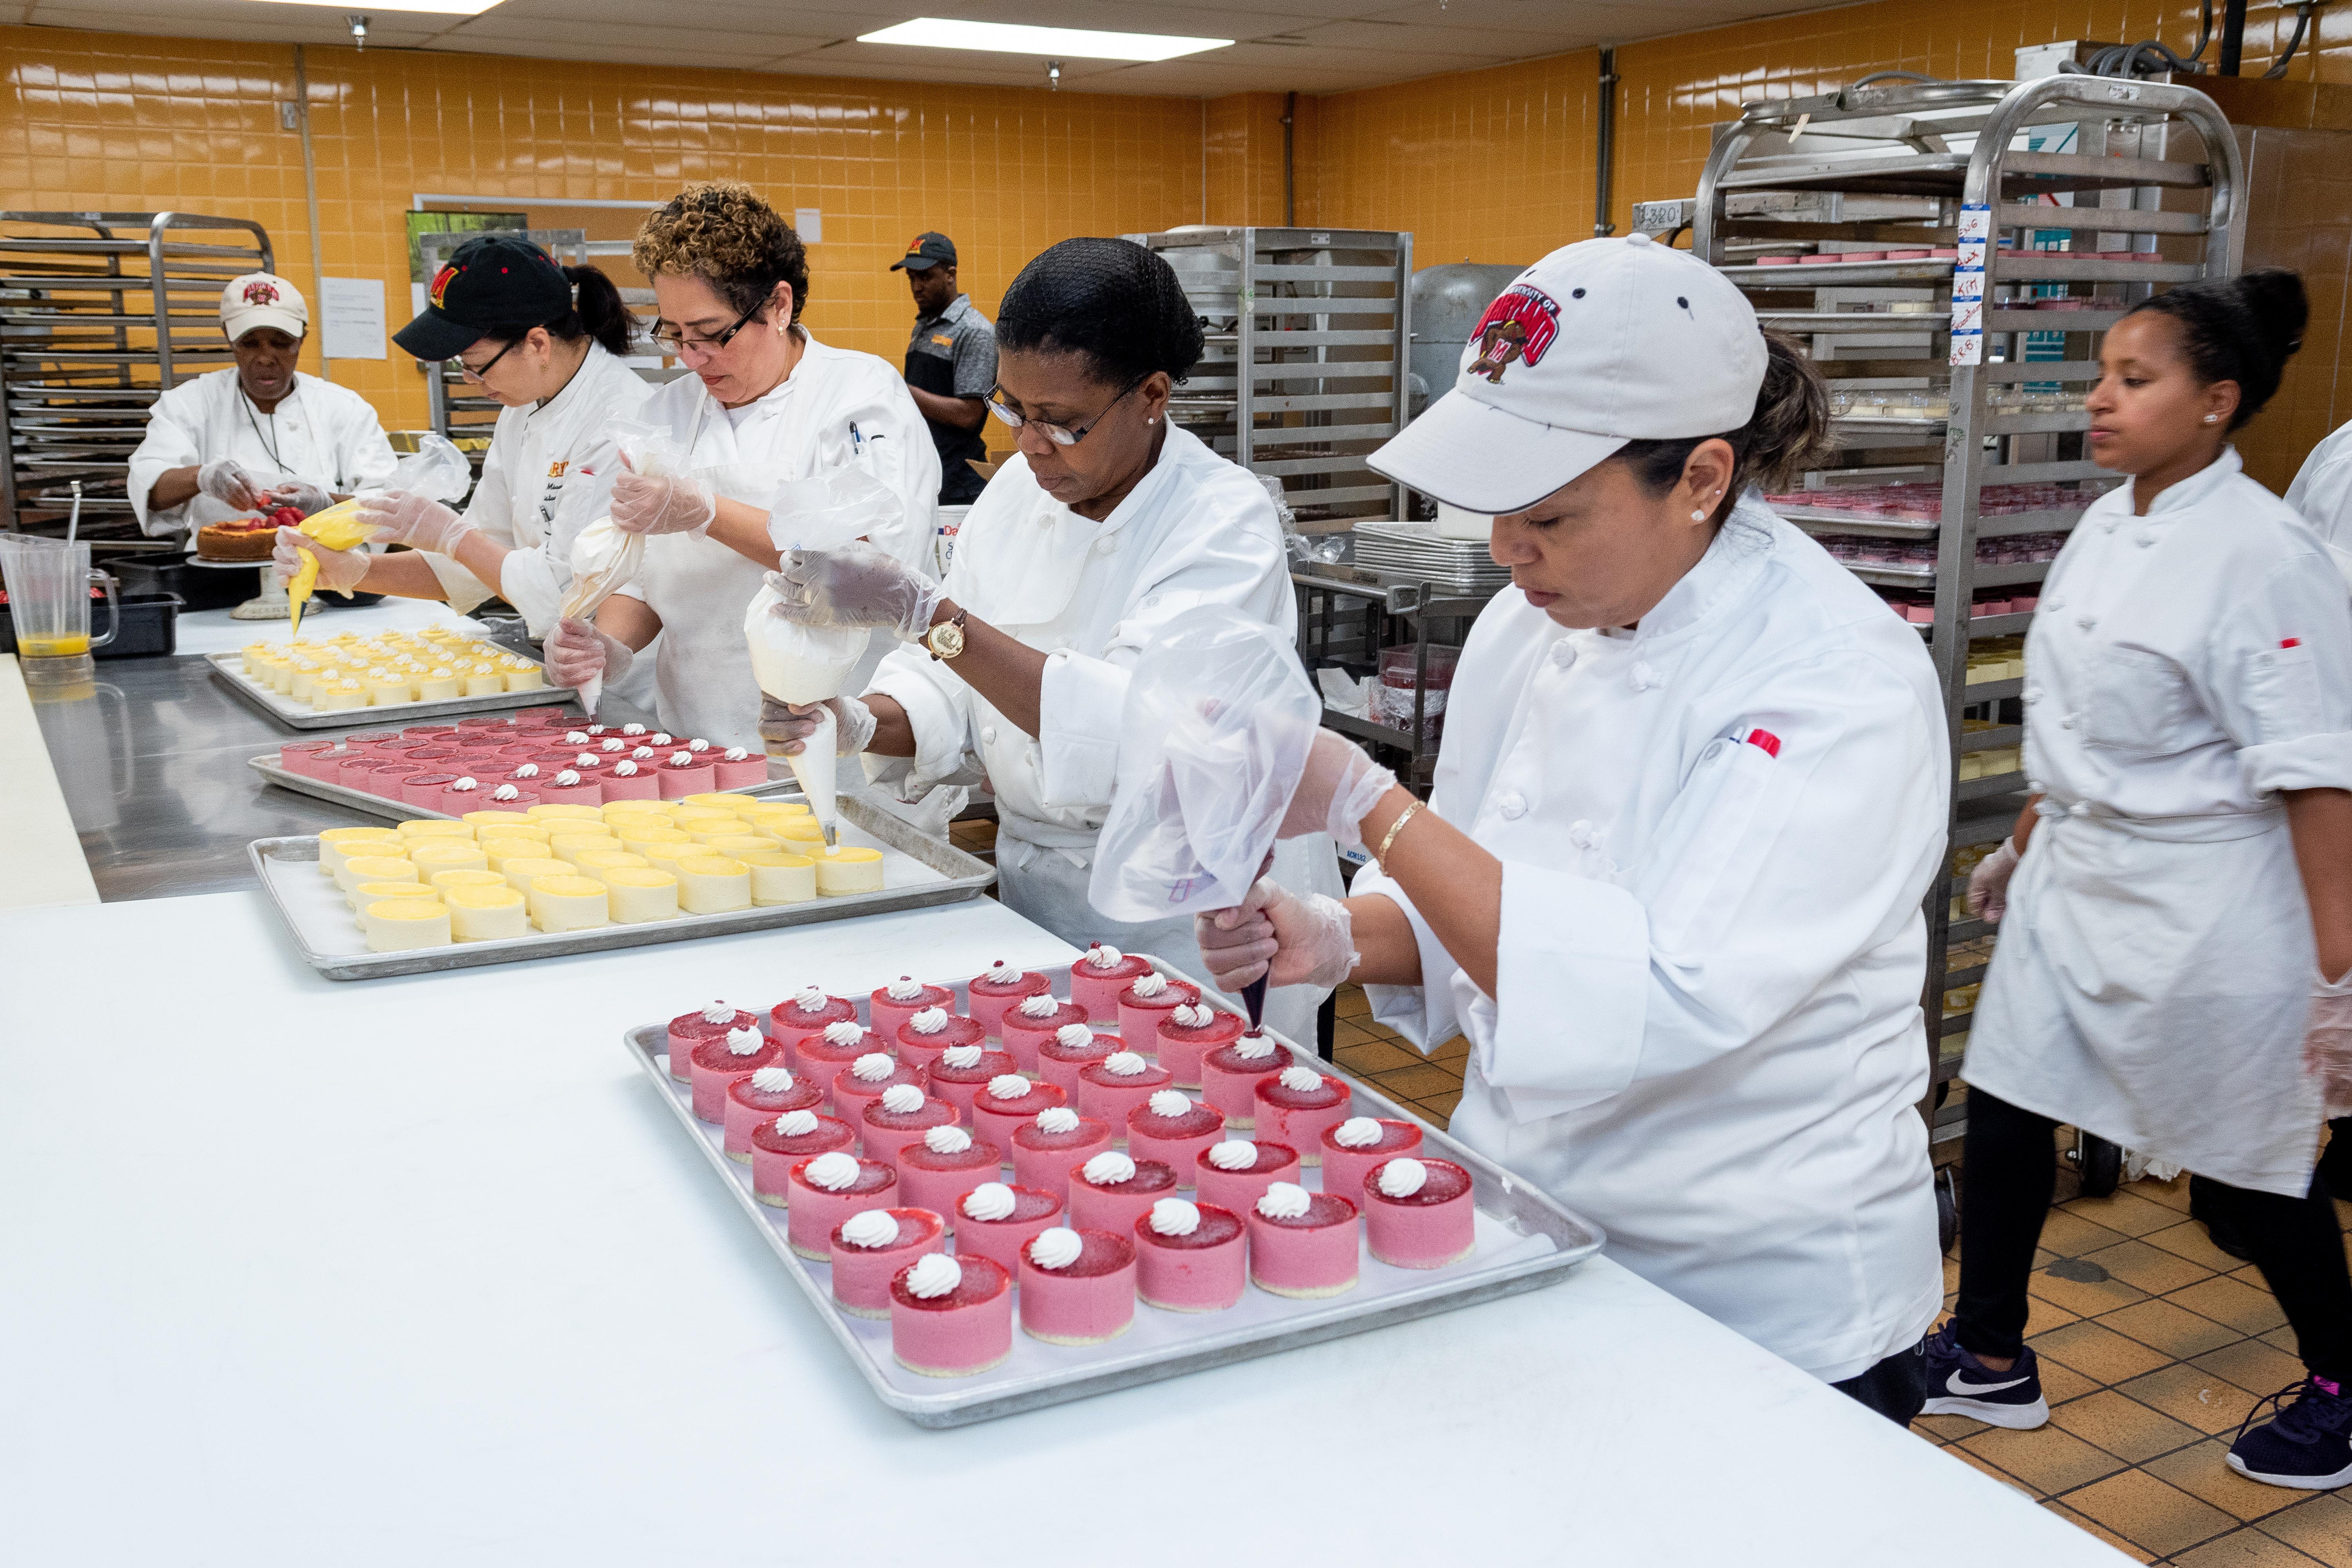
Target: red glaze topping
1063, 1012
789, 1013
1447, 1180
932, 997
694, 1027
991, 1064
438, 781
917, 1227
1128, 967
830, 1133
901, 1072
961, 1031
1228, 1059
1099, 1253
1393, 1135
1271, 1156
1322, 1209
933, 1113
712, 1054
1178, 995
982, 1154
803, 1095
1102, 1076
1029, 1206
1191, 1124
1097, 1047
1216, 1031
1151, 1176
1028, 983
872, 1177
691, 762
1329, 1092
1217, 1227
1039, 1097
819, 1048
985, 1279
1029, 1135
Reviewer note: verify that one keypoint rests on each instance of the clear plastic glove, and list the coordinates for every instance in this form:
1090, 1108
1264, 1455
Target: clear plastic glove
301, 495
577, 652
1989, 883
854, 586
786, 728
1289, 940
2328, 1046
662, 503
1338, 790
226, 481
418, 522
340, 569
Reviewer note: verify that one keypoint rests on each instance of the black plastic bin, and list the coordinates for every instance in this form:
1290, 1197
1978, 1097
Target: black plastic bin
150, 625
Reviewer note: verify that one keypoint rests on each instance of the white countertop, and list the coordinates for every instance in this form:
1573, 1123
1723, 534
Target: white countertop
417, 1271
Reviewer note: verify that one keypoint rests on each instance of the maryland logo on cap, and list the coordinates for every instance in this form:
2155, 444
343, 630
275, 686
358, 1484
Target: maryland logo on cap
441, 285
260, 292
1519, 326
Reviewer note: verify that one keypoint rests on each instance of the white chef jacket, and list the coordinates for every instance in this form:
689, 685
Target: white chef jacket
1706, 1033
2322, 491
325, 434
837, 410
549, 474
2153, 979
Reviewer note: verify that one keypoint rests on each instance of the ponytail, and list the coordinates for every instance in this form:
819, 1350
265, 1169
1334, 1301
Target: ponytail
2238, 329
1787, 433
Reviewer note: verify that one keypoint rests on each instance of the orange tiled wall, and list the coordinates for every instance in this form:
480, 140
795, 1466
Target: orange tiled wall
91, 120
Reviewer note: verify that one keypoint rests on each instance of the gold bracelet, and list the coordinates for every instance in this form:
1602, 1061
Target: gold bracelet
1381, 854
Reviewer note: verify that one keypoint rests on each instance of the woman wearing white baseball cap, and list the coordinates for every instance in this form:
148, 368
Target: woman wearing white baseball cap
1691, 795
255, 434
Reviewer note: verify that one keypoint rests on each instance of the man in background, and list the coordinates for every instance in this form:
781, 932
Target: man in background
951, 364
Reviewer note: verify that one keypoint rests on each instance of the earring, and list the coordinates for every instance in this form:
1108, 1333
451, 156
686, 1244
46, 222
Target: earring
2212, 419
1697, 515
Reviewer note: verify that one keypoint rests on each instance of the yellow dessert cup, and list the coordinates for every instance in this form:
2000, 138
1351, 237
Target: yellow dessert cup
487, 914
528, 678
522, 874
848, 871
636, 837
550, 815
433, 828
400, 925
728, 801
502, 850
637, 894
780, 877
333, 843
791, 830
446, 855
358, 868
367, 893
479, 820
561, 901
446, 882
713, 885
597, 862
571, 846
737, 844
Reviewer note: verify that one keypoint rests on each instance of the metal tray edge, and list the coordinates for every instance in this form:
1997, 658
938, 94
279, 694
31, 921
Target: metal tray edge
277, 773
409, 712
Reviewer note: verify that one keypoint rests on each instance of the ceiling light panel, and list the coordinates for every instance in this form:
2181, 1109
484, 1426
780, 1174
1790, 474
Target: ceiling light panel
1078, 43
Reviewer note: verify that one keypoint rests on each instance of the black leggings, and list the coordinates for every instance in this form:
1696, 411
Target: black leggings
2006, 1178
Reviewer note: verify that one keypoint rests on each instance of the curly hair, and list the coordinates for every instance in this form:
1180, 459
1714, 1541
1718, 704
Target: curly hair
1117, 304
721, 232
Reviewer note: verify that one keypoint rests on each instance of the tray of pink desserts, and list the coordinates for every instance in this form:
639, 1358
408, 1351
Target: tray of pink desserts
1013, 1189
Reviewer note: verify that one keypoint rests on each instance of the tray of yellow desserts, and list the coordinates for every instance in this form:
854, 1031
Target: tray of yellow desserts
500, 886
333, 682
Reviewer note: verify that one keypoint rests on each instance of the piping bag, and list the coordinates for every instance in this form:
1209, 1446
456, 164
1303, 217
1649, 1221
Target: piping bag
1212, 745
802, 664
436, 471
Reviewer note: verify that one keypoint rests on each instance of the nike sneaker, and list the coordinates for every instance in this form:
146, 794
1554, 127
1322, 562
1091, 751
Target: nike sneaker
1959, 1384
2307, 1445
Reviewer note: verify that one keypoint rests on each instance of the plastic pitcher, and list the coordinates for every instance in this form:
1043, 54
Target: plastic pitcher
49, 583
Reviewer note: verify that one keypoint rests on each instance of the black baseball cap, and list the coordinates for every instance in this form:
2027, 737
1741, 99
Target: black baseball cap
498, 283
925, 251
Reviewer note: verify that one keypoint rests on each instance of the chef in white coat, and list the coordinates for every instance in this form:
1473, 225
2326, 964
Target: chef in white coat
2322, 491
2175, 965
769, 422
1107, 523
256, 434
1692, 791
547, 341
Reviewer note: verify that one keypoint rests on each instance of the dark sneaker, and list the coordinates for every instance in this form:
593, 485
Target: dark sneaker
1959, 1384
2307, 1445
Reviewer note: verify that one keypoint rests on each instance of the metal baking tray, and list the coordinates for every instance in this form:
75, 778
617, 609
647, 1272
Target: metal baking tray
277, 773
961, 876
299, 715
1527, 1241
1417, 548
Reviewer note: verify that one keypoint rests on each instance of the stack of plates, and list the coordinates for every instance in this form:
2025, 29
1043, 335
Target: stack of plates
1418, 550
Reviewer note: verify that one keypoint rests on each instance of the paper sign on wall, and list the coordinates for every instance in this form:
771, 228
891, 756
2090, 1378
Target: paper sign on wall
809, 223
351, 315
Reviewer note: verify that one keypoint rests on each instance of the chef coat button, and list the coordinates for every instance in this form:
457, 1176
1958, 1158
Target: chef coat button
988, 736
2067, 722
1642, 676
2144, 539
1105, 546
2087, 621
1512, 806
1580, 834
2033, 694
1563, 653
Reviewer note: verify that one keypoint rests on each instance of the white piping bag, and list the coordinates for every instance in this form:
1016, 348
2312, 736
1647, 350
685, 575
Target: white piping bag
603, 560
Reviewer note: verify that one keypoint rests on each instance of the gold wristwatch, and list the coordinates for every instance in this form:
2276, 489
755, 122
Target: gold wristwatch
946, 639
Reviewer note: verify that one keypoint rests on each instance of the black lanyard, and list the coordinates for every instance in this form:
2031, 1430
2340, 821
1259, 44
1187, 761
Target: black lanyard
266, 444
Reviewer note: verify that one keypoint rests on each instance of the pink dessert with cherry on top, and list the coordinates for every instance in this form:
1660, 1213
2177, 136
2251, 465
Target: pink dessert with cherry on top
930, 1031
1100, 975
1078, 1286
1037, 1022
1003, 987
735, 768
892, 1004
688, 1030
827, 1190
824, 1055
1047, 1147
868, 1248
936, 1172
809, 1012
1302, 1244
1187, 1035
714, 1065
1351, 1149
996, 1219
1174, 1128
1113, 1190
1298, 1105
1419, 1213
1110, 1088
999, 1108
778, 1145
869, 1079
960, 1073
951, 1317
901, 1117
766, 1094
1071, 1051
1235, 1173
1230, 1076
1142, 1006
1191, 1258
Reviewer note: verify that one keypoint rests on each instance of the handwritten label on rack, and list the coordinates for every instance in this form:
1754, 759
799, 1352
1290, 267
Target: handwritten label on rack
1974, 234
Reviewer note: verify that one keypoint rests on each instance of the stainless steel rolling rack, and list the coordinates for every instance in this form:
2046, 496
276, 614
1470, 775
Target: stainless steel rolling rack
1349, 614
100, 312
1995, 230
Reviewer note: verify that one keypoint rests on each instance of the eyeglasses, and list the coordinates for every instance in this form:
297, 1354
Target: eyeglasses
482, 374
675, 340
1060, 435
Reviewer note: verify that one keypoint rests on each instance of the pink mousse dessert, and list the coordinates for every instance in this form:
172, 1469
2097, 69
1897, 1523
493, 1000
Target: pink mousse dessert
827, 1190
1191, 1258
936, 1172
688, 1030
567, 785
309, 759
868, 1248
951, 1317
1069, 1051
930, 1030
1112, 1191
901, 1116
1418, 1213
995, 1220
714, 1065
1235, 1173
423, 791
737, 768
1144, 1004
766, 1094
627, 780
464, 794
869, 1079
1032, 1023
1230, 1075
1100, 975
1054, 1142
1174, 1129
824, 1054
1302, 1244
960, 1073
1003, 987
1000, 1108
1351, 1149
1110, 1088
807, 1013
778, 1145
382, 779
1298, 1105
683, 774
1189, 1033
892, 1004
508, 795
1078, 1286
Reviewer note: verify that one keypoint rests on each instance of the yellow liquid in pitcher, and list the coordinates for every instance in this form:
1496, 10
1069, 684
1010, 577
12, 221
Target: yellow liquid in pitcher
70, 646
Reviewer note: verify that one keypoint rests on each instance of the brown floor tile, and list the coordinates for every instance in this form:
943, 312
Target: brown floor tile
1456, 1049
2175, 1330
2247, 1273
2173, 1195
2071, 1235
2097, 1352
1418, 1080
2208, 1403
1948, 1428
2243, 1549
1439, 1108
2159, 1517
2084, 1298
2246, 1307
2201, 1472
1349, 1002
2042, 1256
2321, 1526
2125, 1211
2047, 1459
2187, 1239
1989, 1467
1951, 1275
2253, 1366
2283, 1338
2093, 1528
1379, 1056
2043, 1316
2121, 1424
2061, 1384
2151, 1269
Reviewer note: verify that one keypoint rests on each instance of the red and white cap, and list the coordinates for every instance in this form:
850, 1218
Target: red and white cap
1601, 342
263, 299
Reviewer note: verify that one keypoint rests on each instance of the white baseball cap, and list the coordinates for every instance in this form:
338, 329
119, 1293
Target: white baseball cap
1601, 342
263, 299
